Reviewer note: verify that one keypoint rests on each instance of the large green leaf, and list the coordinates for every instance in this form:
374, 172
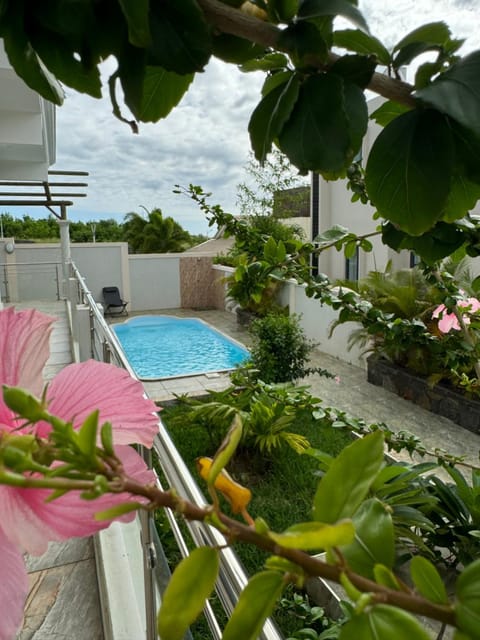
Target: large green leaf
315, 535
27, 63
462, 198
355, 69
316, 136
409, 170
434, 33
270, 115
255, 604
427, 37
467, 151
58, 56
467, 608
374, 539
184, 598
457, 92
162, 91
362, 43
235, 50
317, 8
181, 40
300, 39
131, 71
357, 115
136, 14
284, 10
347, 482
387, 112
382, 622
439, 242
427, 580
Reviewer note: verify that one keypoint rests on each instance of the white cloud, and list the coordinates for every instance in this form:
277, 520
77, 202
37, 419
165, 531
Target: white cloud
205, 140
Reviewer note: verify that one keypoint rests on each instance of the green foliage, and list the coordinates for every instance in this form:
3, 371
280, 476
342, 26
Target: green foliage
255, 604
395, 310
268, 413
422, 177
341, 492
184, 598
315, 624
312, 104
155, 234
280, 349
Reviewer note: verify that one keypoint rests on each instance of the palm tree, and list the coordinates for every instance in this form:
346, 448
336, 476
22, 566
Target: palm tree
155, 233
164, 235
133, 227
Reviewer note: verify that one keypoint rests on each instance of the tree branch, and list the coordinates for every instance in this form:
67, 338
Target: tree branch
229, 20
312, 566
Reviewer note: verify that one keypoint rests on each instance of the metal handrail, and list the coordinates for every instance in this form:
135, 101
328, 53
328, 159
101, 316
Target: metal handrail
232, 577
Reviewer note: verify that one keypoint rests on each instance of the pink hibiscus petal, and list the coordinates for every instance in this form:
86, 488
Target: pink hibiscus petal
448, 322
13, 588
438, 311
24, 347
31, 523
80, 388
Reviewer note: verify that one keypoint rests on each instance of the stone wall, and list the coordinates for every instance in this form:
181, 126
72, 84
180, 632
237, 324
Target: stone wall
200, 285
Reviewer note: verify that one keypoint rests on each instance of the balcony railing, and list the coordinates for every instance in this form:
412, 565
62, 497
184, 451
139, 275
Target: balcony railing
30, 281
104, 346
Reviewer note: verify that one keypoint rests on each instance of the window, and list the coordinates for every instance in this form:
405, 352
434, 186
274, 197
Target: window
351, 267
414, 259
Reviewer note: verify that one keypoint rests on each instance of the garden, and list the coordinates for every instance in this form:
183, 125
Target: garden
390, 534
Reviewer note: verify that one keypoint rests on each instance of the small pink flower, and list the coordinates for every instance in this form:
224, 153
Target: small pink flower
28, 523
337, 379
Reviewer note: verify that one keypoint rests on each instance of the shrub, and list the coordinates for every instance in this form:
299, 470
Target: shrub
280, 350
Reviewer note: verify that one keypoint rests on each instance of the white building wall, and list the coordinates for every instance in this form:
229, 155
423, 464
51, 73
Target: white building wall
336, 208
27, 128
316, 319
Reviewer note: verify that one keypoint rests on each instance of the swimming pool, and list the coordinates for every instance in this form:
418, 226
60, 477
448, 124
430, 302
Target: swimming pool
166, 346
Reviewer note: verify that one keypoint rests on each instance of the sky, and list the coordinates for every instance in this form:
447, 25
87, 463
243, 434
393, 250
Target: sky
205, 139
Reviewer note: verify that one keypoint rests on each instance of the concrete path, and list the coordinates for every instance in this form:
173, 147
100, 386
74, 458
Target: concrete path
354, 395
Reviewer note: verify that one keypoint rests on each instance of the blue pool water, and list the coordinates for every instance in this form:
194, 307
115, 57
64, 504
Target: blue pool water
165, 346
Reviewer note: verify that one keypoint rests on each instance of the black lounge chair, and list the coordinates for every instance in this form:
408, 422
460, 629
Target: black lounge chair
114, 305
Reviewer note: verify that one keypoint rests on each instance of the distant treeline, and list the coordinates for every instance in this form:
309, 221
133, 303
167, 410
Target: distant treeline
151, 234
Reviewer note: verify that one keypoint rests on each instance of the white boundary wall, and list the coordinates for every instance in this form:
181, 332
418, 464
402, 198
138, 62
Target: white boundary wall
316, 319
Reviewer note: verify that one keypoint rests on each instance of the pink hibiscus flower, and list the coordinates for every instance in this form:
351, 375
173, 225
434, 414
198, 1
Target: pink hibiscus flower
28, 523
449, 321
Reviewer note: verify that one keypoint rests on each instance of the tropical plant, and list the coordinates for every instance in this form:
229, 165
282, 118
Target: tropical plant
268, 413
456, 517
253, 286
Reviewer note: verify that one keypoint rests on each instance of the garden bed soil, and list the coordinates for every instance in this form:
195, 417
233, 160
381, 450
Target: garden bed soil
440, 399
